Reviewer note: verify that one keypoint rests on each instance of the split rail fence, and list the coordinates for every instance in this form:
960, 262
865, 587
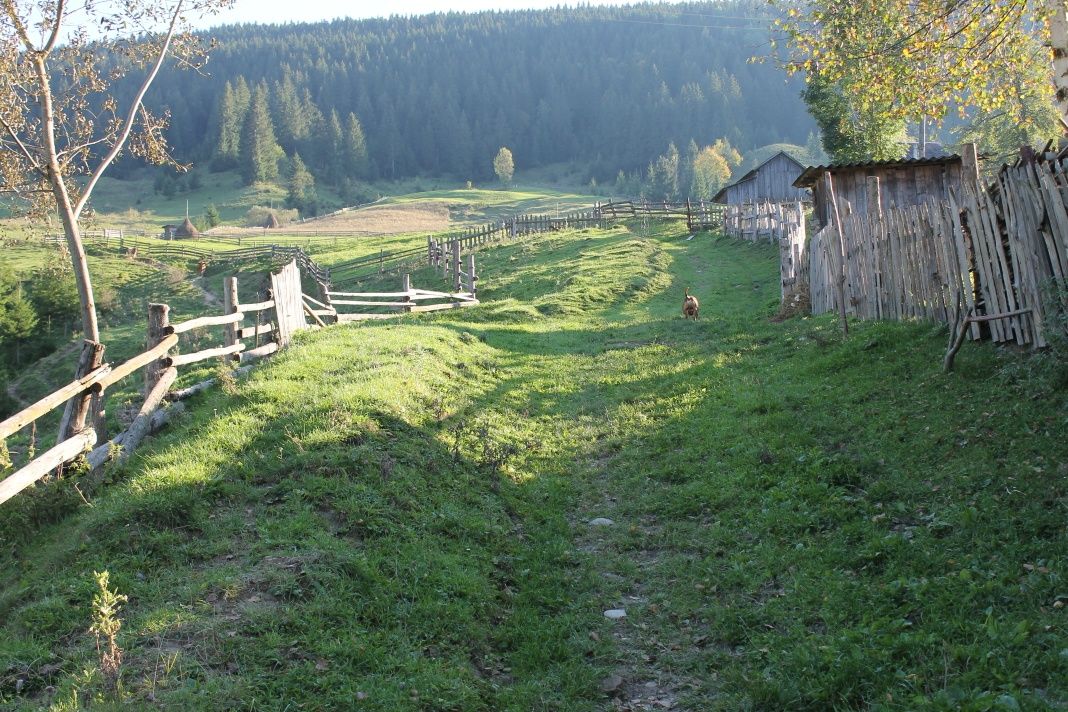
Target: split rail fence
275, 322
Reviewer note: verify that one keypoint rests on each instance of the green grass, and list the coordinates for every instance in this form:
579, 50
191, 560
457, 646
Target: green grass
476, 206
392, 516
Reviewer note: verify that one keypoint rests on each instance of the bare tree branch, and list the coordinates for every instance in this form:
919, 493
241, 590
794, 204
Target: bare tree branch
57, 23
131, 116
16, 22
22, 147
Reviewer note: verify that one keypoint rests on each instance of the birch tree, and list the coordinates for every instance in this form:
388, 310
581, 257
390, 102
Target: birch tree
914, 58
61, 126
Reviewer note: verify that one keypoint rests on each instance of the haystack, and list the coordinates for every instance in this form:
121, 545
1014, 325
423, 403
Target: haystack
272, 221
187, 229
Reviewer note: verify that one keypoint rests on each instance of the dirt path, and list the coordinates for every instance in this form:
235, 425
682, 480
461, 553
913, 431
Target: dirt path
650, 672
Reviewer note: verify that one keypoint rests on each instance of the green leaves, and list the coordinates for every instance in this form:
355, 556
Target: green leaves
898, 59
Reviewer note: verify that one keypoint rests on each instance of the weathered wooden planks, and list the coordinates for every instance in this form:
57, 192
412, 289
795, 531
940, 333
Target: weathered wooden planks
988, 253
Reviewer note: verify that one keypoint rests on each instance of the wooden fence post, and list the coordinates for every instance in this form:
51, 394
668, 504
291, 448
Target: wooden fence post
159, 321
406, 287
231, 305
472, 278
430, 250
456, 265
77, 409
969, 157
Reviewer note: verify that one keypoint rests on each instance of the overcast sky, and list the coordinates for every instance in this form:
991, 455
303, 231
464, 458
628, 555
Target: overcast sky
280, 11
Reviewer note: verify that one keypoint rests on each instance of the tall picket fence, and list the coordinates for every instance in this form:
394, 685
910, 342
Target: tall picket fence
763, 221
990, 254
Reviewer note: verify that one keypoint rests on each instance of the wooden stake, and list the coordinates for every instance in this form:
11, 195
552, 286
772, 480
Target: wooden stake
230, 306
159, 320
841, 251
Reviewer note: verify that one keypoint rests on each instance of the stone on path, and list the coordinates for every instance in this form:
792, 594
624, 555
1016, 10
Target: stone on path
601, 522
615, 614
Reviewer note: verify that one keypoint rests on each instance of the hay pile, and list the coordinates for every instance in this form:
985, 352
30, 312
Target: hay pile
187, 229
796, 303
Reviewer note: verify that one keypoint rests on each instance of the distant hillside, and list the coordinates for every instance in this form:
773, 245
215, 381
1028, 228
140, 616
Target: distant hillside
439, 94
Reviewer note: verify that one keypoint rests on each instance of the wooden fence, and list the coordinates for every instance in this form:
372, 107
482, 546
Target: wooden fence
980, 261
160, 361
759, 221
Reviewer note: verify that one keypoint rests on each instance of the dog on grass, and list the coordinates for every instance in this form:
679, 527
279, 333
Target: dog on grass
690, 306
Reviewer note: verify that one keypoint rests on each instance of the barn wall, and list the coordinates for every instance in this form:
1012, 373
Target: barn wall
772, 183
899, 186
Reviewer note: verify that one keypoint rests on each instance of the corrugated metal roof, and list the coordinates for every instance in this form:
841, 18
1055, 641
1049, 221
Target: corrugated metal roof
753, 173
813, 173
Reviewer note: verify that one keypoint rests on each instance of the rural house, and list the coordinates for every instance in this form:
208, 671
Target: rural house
770, 182
901, 183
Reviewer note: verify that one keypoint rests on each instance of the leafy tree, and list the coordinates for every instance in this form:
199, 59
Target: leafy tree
503, 165
900, 59
334, 145
999, 132
850, 133
711, 171
260, 151
54, 72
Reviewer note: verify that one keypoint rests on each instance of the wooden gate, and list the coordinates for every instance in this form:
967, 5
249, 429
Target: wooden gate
288, 301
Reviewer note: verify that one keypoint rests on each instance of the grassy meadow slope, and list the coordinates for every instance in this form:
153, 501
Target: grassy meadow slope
394, 516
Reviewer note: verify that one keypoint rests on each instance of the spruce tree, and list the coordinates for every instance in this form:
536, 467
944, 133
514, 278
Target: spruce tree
355, 149
334, 143
233, 110
302, 194
260, 151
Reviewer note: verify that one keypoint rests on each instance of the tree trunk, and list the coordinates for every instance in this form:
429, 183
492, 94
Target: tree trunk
64, 205
1058, 40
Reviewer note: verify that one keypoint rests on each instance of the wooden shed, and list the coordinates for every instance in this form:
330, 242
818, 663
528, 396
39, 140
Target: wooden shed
901, 183
770, 182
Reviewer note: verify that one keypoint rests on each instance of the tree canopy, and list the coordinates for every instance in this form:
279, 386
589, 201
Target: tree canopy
606, 88
905, 59
503, 165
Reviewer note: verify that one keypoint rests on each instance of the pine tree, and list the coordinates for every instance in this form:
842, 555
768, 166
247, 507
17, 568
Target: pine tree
233, 110
334, 144
302, 194
260, 151
686, 176
17, 317
355, 149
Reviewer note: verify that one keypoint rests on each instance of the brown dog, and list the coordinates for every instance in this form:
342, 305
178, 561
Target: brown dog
690, 306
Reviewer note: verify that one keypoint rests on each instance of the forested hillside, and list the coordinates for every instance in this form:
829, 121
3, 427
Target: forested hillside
609, 88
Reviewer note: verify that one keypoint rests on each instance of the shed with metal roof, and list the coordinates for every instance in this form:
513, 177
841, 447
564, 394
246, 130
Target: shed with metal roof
901, 183
770, 182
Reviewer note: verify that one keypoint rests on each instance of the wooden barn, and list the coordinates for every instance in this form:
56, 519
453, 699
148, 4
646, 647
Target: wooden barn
770, 182
901, 183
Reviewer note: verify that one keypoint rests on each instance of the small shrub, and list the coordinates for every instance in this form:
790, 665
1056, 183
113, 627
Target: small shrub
224, 376
105, 626
258, 215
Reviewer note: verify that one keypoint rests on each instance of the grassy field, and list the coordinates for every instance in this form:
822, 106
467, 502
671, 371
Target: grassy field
395, 516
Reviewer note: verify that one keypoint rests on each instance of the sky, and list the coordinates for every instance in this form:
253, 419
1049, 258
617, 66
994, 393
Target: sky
281, 11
